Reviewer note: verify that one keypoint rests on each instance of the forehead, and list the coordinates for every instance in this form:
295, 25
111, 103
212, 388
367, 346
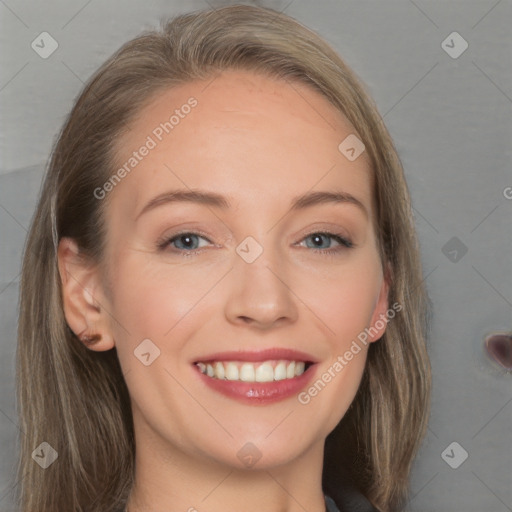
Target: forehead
241, 134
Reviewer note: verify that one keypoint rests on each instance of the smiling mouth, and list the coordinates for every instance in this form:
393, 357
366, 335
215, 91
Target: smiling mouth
243, 371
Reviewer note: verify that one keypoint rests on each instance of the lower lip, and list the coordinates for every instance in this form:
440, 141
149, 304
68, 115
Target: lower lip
259, 393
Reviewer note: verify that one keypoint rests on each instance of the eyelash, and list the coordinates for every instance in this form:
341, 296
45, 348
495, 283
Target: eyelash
163, 243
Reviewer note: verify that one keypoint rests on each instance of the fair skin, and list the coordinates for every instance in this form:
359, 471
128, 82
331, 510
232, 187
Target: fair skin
260, 143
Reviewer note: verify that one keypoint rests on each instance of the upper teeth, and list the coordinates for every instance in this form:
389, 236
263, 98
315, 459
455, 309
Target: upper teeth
253, 372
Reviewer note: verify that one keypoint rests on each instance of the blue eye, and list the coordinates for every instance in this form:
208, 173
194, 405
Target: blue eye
319, 238
186, 243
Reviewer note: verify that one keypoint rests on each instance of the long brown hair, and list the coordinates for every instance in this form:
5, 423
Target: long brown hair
76, 399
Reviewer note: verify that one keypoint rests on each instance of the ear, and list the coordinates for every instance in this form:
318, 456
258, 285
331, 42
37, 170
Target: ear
83, 298
380, 313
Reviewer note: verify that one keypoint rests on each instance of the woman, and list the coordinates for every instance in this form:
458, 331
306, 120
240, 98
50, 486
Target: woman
186, 341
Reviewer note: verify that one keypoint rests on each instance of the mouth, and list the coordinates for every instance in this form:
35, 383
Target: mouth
258, 377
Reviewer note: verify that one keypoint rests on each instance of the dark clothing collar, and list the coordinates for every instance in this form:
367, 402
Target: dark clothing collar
346, 499
330, 505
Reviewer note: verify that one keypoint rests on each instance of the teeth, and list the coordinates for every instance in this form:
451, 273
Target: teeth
266, 371
247, 373
280, 371
231, 371
219, 371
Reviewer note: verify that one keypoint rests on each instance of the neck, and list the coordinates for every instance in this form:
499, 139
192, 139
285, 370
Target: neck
165, 476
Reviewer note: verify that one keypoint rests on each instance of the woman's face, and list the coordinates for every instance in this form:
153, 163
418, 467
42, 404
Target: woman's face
237, 280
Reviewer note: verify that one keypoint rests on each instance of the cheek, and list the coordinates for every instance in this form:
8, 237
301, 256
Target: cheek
343, 300
150, 299
340, 382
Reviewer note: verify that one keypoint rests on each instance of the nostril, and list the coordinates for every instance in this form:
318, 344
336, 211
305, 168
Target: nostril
499, 347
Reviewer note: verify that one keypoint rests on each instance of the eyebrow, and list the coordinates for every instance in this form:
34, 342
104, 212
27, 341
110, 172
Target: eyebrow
301, 202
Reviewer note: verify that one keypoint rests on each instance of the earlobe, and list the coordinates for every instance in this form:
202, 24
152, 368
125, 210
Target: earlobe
82, 298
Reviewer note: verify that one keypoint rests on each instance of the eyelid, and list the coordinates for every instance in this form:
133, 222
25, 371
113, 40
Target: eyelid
330, 230
165, 240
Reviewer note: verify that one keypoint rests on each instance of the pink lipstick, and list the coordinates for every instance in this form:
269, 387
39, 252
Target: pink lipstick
257, 377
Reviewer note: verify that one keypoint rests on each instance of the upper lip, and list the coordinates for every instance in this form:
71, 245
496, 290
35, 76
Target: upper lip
259, 355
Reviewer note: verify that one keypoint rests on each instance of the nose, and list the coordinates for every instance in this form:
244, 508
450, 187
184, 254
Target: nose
260, 294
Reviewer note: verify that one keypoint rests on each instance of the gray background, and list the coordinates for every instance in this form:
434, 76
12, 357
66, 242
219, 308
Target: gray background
451, 121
